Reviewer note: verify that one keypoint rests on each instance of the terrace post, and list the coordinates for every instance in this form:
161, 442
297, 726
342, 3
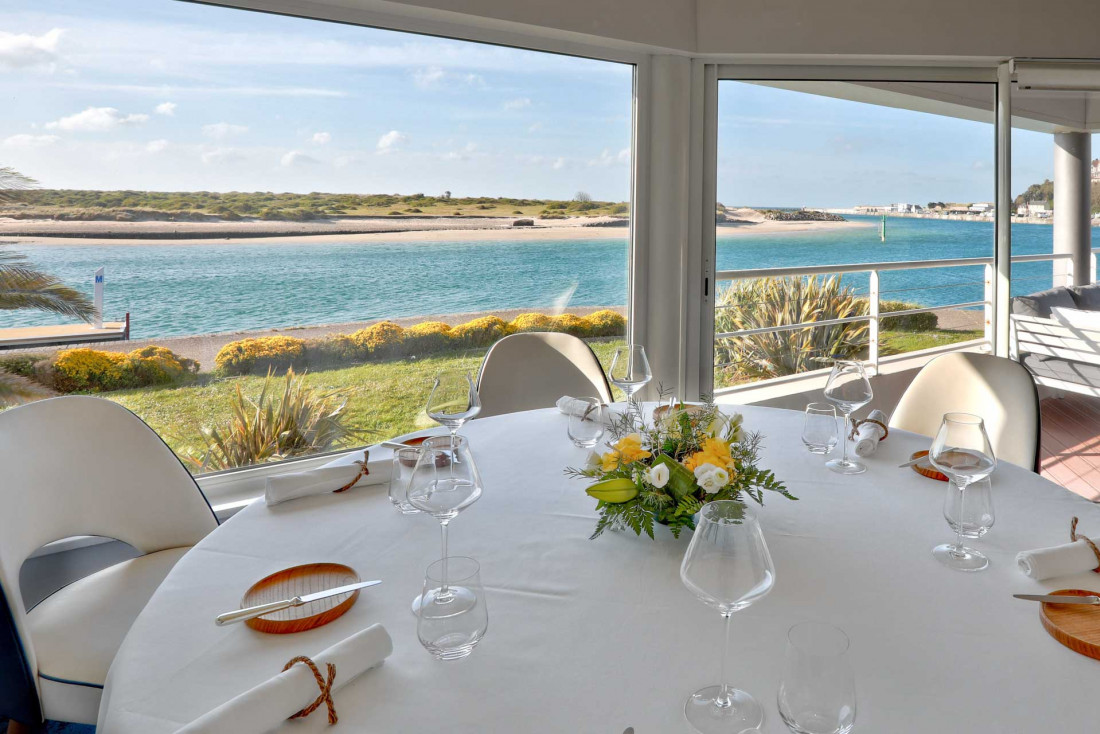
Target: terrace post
1072, 204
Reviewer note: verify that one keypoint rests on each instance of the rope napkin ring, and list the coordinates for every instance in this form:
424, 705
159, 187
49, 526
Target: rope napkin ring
363, 471
857, 423
1074, 537
325, 686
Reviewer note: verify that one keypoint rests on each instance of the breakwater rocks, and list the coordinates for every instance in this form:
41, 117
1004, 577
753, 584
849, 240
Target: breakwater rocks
802, 215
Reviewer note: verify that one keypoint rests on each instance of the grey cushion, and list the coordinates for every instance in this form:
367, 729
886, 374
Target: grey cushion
1039, 304
1087, 296
1079, 373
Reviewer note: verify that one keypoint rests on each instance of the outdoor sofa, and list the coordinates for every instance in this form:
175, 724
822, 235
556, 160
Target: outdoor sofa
1056, 336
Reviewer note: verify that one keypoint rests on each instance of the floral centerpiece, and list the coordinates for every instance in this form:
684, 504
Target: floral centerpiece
666, 471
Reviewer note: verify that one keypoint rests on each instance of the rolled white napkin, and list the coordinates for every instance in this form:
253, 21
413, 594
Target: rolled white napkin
330, 477
574, 406
868, 434
1061, 560
269, 704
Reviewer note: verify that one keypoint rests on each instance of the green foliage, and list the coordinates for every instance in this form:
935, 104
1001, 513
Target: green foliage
24, 286
927, 321
763, 302
92, 370
298, 422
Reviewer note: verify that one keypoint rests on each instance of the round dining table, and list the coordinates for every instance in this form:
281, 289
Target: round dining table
601, 635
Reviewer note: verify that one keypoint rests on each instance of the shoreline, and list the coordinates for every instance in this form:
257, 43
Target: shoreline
101, 234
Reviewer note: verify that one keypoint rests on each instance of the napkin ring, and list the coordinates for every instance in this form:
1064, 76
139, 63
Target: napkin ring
363, 471
857, 423
1074, 537
324, 685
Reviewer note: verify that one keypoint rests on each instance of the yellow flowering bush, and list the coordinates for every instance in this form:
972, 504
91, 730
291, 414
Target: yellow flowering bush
482, 332
427, 336
531, 322
605, 323
380, 341
93, 370
261, 354
571, 324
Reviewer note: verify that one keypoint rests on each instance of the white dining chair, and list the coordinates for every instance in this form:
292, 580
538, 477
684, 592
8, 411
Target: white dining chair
999, 390
532, 370
83, 466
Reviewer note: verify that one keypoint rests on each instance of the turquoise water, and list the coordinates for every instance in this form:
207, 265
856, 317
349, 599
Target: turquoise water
197, 289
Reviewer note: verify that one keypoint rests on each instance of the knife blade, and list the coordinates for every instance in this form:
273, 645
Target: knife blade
247, 613
1059, 598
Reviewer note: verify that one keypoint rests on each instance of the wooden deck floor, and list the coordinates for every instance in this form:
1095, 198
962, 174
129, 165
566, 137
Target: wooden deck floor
1071, 443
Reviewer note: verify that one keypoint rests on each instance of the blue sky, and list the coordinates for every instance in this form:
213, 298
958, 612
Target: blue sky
158, 94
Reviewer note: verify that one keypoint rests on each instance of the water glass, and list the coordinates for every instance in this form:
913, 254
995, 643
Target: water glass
817, 694
962, 451
819, 430
727, 567
404, 464
974, 518
586, 422
448, 630
849, 389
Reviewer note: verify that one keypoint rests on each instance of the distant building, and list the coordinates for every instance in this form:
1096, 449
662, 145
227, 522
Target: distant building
1037, 209
982, 207
868, 209
1095, 169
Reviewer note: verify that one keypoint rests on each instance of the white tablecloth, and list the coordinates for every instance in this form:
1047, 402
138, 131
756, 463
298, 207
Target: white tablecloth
596, 636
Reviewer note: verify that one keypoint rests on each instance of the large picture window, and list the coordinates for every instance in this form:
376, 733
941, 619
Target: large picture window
313, 216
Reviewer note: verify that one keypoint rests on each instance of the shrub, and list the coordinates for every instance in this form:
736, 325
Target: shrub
530, 322
909, 322
570, 324
299, 422
482, 332
606, 323
91, 370
260, 354
428, 336
381, 340
161, 364
752, 304
334, 349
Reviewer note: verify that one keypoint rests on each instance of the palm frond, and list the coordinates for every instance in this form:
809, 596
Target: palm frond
15, 389
24, 286
12, 181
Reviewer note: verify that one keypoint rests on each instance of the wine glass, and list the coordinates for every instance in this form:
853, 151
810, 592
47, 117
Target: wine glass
819, 429
447, 633
454, 399
586, 422
849, 388
962, 451
818, 692
630, 369
445, 482
728, 567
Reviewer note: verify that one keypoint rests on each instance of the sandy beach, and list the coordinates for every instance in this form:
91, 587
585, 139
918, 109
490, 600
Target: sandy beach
472, 229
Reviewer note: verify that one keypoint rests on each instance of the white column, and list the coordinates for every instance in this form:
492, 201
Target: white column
1002, 253
1072, 201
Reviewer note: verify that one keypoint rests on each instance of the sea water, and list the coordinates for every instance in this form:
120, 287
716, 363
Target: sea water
173, 290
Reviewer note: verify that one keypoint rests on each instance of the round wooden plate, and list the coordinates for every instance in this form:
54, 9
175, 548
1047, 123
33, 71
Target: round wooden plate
689, 408
1077, 626
925, 468
298, 581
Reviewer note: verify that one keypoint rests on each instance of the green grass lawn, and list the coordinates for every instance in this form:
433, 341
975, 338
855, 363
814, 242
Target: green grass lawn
386, 398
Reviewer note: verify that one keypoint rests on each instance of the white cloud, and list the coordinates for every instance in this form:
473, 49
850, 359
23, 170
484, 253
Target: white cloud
96, 119
30, 141
392, 140
168, 109
461, 155
160, 90
535, 127
434, 77
223, 130
429, 77
624, 155
321, 138
156, 146
296, 158
558, 164
221, 155
517, 104
20, 51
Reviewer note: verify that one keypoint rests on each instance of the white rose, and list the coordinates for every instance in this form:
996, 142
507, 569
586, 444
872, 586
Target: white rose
711, 478
657, 475
593, 461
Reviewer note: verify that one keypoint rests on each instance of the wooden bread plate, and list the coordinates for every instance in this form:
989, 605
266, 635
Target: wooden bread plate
690, 408
1077, 626
297, 581
925, 468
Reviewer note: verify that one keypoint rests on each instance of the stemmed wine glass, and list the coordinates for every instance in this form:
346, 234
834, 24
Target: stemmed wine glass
445, 482
630, 369
728, 567
849, 388
454, 399
962, 451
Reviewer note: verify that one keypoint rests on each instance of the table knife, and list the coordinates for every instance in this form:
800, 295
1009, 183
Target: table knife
1060, 598
277, 606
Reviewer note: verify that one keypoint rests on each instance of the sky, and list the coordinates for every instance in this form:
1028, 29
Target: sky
173, 96
785, 148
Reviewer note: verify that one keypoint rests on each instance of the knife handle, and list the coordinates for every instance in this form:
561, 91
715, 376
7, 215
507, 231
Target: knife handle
252, 612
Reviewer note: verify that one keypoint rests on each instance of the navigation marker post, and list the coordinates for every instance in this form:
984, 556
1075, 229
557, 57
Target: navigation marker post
882, 233
99, 278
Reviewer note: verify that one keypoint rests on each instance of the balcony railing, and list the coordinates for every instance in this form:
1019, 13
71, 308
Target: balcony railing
875, 292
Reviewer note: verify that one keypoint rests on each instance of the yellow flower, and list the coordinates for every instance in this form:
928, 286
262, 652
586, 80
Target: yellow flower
627, 449
715, 451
